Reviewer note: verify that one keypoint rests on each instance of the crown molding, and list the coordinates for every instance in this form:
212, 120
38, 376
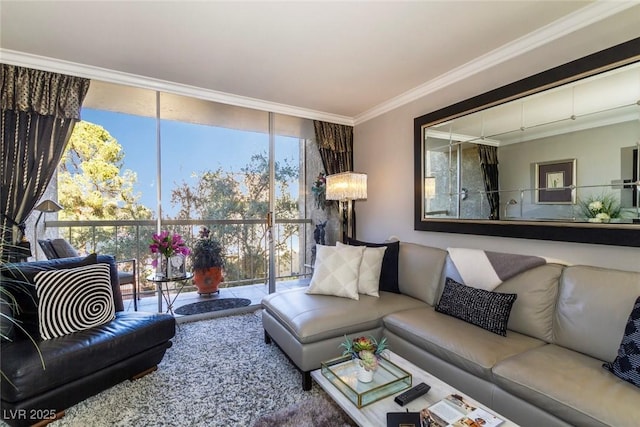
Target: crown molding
588, 15
23, 59
575, 21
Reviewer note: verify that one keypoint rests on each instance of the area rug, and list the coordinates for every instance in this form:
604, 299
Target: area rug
212, 305
318, 411
219, 372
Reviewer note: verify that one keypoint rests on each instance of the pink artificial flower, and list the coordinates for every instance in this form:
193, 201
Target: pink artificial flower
168, 245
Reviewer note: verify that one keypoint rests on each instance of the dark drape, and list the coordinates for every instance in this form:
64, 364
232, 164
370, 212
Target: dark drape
335, 143
39, 110
489, 166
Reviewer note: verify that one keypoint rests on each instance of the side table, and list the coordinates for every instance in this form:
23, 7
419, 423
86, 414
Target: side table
160, 281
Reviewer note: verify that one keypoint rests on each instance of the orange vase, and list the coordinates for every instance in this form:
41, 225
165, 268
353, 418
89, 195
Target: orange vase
207, 280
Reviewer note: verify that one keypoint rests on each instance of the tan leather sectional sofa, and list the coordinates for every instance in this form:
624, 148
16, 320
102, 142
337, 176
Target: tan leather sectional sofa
547, 371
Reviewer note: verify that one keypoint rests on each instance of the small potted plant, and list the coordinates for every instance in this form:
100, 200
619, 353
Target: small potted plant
172, 250
207, 261
366, 352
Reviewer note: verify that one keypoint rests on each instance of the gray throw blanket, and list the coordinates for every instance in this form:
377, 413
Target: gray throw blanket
486, 270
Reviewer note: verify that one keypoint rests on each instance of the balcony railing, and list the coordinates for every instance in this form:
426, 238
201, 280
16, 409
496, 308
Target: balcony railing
246, 243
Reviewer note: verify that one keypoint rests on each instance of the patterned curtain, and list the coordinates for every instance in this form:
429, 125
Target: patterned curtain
335, 143
489, 167
39, 111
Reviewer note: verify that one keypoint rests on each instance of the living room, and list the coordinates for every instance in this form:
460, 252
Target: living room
515, 40
383, 144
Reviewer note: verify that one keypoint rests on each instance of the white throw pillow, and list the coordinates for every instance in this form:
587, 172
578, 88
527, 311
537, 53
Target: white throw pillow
74, 299
335, 271
370, 268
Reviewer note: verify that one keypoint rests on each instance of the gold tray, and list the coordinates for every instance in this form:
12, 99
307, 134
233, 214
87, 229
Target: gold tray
387, 380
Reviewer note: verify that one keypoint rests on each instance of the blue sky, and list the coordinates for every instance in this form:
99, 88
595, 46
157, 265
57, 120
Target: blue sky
186, 149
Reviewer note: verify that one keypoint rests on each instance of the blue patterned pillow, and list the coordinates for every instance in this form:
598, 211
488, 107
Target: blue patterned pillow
627, 365
488, 310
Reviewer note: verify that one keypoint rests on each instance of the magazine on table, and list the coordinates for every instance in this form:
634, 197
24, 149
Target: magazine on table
455, 411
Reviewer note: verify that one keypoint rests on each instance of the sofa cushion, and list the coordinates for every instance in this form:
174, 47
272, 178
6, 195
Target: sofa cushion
312, 318
336, 271
592, 309
537, 289
81, 353
47, 248
63, 249
420, 271
73, 299
626, 366
389, 272
488, 310
455, 341
569, 385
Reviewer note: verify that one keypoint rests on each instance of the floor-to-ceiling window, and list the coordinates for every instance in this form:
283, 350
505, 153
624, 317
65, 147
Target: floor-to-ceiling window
189, 163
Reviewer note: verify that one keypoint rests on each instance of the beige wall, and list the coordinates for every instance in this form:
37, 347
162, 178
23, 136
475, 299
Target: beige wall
383, 148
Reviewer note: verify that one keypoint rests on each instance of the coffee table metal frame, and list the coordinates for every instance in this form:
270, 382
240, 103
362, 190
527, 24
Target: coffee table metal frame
375, 414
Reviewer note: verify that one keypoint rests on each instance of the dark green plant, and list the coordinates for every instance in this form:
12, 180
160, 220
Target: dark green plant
10, 309
207, 252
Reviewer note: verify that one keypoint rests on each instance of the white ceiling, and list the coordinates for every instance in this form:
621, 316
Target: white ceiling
343, 60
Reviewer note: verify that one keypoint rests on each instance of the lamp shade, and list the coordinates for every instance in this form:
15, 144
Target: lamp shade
48, 206
429, 186
347, 186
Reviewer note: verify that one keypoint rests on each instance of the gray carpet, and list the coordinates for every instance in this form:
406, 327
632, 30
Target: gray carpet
219, 372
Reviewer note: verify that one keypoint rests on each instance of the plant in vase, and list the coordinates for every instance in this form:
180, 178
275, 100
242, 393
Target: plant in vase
600, 208
167, 245
319, 190
208, 262
366, 351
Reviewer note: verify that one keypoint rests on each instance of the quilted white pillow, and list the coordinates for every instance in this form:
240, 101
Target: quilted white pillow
370, 268
336, 271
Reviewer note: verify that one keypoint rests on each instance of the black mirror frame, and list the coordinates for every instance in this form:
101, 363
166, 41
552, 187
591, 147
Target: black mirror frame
604, 234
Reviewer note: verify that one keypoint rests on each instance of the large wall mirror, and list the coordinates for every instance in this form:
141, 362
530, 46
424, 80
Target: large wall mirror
553, 156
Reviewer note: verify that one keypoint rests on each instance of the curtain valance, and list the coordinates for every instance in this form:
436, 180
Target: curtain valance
41, 92
334, 137
335, 143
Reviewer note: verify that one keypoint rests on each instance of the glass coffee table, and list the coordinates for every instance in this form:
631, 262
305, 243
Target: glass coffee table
375, 413
389, 379
163, 292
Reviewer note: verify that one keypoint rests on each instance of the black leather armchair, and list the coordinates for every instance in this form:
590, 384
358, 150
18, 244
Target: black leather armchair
77, 365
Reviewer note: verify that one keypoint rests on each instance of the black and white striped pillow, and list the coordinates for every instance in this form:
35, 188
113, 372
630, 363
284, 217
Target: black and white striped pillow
74, 299
488, 310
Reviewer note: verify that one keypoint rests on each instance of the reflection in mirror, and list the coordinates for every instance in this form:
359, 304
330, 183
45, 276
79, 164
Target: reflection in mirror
567, 154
